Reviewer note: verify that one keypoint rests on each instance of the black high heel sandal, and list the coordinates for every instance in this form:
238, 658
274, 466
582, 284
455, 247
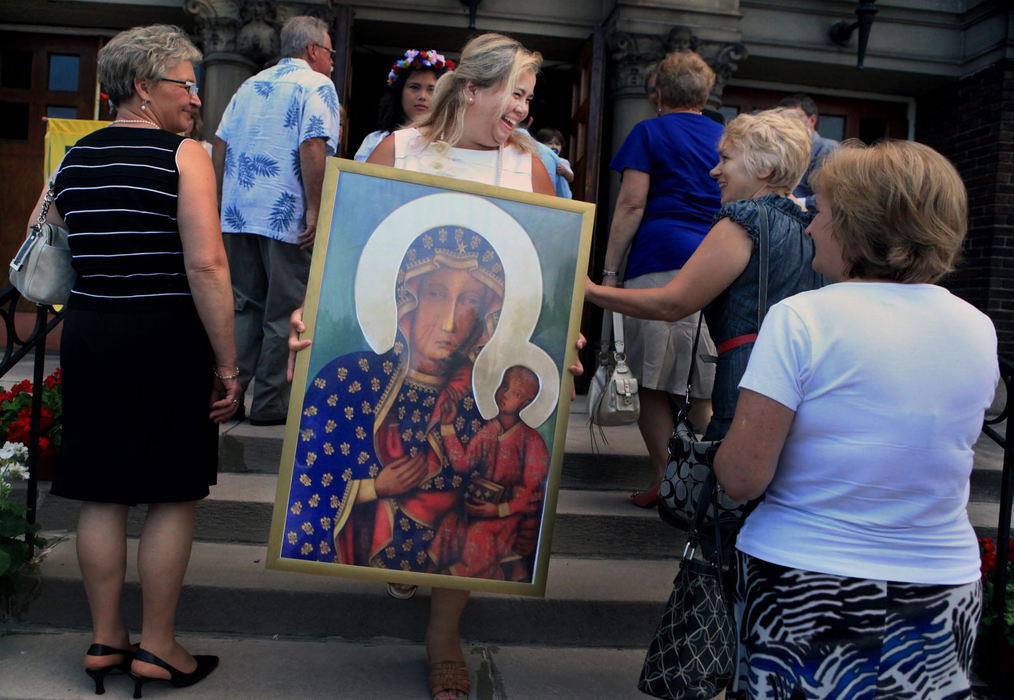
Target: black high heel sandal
205, 665
99, 674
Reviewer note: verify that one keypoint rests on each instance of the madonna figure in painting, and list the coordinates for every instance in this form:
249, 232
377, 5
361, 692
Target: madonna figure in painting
359, 494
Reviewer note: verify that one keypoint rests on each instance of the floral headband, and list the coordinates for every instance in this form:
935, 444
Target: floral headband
416, 60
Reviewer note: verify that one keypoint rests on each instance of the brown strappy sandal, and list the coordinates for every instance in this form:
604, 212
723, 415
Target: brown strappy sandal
449, 676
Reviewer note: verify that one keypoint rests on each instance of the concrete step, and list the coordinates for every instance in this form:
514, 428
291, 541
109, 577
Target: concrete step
228, 590
597, 524
247, 449
49, 667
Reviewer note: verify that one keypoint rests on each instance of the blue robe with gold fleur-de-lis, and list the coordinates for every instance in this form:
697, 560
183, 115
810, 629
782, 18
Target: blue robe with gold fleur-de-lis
347, 404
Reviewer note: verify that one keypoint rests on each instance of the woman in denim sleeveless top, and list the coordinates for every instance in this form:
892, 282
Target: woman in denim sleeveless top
762, 157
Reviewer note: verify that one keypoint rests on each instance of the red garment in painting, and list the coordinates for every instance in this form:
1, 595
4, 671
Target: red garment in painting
517, 460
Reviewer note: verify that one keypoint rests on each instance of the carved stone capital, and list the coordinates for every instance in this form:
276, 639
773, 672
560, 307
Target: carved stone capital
634, 56
249, 28
218, 22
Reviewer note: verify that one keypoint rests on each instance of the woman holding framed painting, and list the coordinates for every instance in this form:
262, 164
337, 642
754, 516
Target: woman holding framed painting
446, 313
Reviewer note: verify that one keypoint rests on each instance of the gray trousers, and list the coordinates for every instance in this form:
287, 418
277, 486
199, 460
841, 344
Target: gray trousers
268, 283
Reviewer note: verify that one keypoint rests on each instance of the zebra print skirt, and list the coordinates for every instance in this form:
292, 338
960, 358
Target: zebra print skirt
811, 635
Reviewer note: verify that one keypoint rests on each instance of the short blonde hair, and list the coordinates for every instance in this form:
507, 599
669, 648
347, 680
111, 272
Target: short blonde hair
776, 141
898, 209
685, 80
142, 53
487, 60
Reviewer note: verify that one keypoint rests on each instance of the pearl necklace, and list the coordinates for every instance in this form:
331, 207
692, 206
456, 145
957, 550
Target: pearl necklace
137, 121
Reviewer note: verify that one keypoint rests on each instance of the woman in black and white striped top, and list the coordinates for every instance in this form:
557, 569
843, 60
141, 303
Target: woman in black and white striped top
148, 353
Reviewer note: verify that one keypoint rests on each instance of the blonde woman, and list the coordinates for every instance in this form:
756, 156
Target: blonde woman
470, 134
862, 401
761, 158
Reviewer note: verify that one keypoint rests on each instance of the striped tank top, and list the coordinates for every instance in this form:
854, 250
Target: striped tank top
117, 191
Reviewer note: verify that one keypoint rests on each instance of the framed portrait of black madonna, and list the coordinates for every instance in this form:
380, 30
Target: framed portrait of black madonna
428, 417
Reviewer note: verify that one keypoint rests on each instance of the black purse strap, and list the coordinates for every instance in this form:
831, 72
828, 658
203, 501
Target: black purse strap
763, 263
708, 495
762, 295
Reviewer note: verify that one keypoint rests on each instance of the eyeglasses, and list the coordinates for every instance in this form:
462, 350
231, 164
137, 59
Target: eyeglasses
191, 87
332, 52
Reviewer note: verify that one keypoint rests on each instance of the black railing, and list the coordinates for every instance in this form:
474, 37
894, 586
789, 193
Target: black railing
1006, 489
46, 319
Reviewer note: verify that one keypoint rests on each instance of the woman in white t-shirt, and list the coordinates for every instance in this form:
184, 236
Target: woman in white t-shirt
857, 414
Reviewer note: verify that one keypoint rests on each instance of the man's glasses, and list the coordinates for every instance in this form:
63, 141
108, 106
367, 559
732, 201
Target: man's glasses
191, 87
330, 51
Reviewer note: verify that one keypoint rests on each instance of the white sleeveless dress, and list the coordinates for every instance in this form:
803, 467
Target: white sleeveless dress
514, 171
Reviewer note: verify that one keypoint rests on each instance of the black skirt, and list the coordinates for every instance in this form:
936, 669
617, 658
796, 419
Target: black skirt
136, 398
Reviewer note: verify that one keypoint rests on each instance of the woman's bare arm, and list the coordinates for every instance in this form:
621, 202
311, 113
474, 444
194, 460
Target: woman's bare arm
718, 261
747, 460
206, 265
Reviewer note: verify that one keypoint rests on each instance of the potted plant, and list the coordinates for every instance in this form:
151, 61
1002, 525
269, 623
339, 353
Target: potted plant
20, 545
16, 417
995, 644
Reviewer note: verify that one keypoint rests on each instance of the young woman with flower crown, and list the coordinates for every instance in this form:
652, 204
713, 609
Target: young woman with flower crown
410, 86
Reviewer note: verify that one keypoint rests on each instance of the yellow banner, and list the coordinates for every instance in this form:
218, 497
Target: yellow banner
61, 134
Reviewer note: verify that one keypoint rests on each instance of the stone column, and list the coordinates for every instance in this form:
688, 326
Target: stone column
633, 57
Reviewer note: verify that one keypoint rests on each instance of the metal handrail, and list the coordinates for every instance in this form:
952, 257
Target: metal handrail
14, 350
1006, 488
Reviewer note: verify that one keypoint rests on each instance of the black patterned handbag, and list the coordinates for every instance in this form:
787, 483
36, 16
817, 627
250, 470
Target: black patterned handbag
693, 653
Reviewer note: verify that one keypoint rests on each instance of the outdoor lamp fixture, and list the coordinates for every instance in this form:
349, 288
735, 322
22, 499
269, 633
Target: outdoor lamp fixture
472, 6
841, 32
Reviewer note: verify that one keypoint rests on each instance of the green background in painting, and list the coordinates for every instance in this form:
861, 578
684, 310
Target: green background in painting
362, 202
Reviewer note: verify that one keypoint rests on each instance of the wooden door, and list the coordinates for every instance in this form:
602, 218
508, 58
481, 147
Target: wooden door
40, 76
840, 117
586, 158
341, 37
586, 118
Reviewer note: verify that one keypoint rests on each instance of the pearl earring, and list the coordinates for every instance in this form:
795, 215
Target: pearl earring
144, 105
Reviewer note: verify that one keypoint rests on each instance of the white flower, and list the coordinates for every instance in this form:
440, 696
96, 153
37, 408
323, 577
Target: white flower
13, 450
13, 471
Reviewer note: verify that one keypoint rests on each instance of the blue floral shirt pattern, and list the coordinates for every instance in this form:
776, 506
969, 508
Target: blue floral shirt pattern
267, 119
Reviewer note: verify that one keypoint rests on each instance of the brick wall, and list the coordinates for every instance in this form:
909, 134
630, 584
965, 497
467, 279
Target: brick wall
972, 123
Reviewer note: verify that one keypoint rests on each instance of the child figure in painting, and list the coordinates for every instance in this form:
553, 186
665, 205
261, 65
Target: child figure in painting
508, 463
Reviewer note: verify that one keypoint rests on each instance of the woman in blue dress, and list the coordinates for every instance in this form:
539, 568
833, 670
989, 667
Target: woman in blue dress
663, 211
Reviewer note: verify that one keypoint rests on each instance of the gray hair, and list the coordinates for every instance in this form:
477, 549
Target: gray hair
300, 31
142, 53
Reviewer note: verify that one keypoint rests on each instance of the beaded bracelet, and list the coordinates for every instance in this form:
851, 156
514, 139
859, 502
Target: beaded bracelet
226, 377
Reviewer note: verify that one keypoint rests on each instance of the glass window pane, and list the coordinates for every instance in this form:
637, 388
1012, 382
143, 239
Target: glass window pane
63, 72
17, 70
831, 127
61, 112
14, 121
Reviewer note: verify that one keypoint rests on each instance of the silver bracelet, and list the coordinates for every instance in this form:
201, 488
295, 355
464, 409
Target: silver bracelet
226, 377
609, 273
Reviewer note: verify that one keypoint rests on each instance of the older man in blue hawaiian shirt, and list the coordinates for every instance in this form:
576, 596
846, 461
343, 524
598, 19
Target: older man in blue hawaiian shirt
269, 156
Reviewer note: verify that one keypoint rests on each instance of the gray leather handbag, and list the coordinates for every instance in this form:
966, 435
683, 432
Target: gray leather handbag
43, 269
612, 396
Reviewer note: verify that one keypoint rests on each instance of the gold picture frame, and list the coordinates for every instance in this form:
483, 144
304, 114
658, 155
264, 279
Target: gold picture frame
443, 315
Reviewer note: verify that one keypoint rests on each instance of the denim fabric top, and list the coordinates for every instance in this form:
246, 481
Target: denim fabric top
734, 312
